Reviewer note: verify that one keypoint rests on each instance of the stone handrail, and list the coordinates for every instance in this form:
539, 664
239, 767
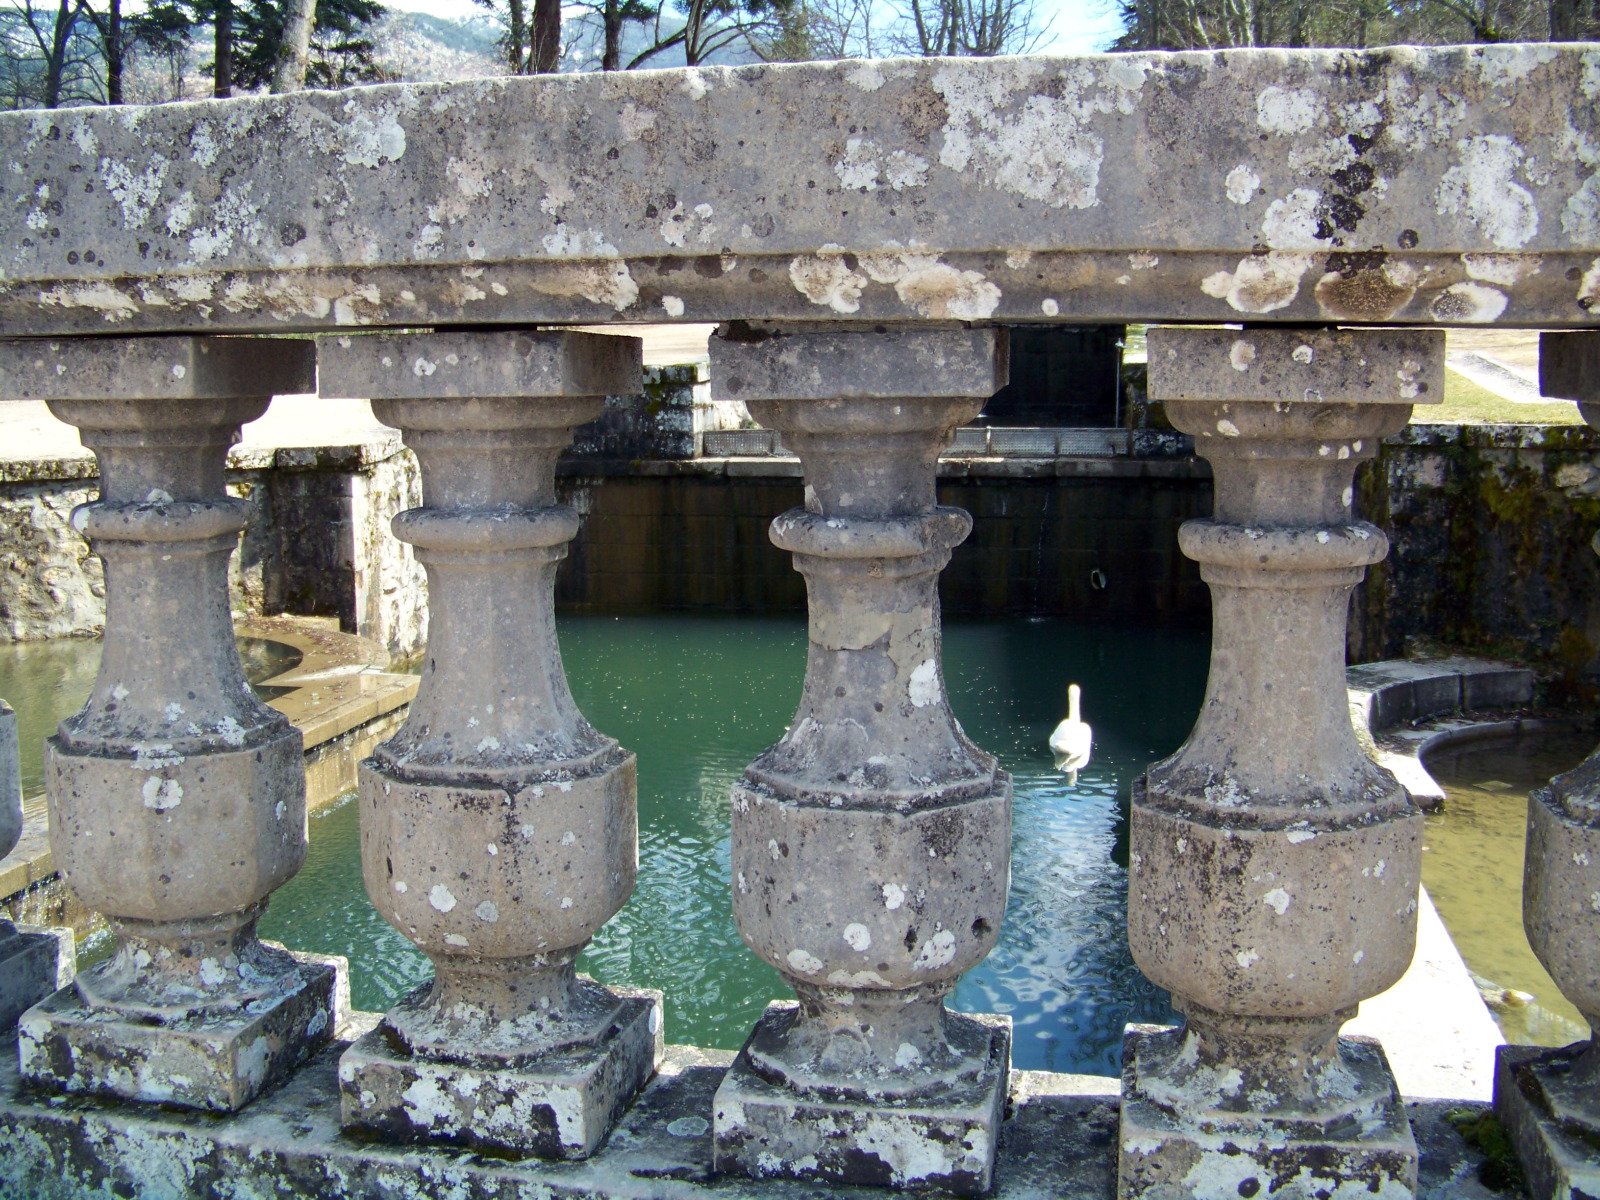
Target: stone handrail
861, 228
1447, 185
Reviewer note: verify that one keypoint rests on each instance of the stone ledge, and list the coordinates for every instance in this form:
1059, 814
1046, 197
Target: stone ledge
1059, 1140
784, 466
1429, 700
774, 212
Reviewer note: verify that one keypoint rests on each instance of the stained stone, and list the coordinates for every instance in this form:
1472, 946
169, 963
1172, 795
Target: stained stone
499, 829
177, 798
1127, 187
1273, 867
871, 845
33, 962
1549, 1100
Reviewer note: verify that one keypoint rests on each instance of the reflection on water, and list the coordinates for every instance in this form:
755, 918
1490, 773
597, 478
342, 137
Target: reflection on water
697, 698
49, 681
1472, 867
44, 682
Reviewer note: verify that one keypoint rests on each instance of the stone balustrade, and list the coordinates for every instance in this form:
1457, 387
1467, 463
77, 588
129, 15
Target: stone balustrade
861, 229
1550, 1100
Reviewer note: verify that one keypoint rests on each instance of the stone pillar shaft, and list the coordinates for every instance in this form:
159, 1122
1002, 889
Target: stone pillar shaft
1549, 1100
498, 828
871, 845
177, 799
1273, 867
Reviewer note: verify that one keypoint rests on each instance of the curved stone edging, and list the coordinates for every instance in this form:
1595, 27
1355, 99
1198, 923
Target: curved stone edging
1404, 710
344, 702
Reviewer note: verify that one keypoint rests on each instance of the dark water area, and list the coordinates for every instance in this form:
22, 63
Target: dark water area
696, 699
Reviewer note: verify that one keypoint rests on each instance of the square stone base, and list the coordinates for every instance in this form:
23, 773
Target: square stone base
33, 964
947, 1140
558, 1107
220, 1065
1556, 1161
1162, 1156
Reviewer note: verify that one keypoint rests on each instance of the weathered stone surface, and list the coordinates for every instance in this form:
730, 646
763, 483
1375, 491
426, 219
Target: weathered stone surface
177, 799
10, 780
1569, 367
871, 845
156, 368
1550, 1101
1182, 1144
473, 366
1389, 185
555, 1105
219, 1060
33, 962
499, 829
1273, 866
1544, 1099
1058, 1140
944, 1138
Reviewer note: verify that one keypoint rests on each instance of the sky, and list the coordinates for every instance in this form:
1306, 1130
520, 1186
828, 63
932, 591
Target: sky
1075, 27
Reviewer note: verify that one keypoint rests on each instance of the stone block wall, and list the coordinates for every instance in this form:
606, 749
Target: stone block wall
1490, 528
318, 544
1083, 538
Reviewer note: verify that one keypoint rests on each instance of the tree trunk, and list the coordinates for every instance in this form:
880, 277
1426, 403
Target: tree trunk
114, 53
66, 16
289, 71
546, 37
516, 37
222, 71
611, 60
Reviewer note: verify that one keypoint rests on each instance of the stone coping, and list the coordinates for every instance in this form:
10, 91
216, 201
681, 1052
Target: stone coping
341, 681
1059, 1140
1115, 186
1403, 709
340, 684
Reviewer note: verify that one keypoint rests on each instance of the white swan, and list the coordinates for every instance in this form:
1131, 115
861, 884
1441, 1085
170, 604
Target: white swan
1072, 739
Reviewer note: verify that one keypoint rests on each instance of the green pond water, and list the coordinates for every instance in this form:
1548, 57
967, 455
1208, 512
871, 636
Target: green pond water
1472, 867
697, 698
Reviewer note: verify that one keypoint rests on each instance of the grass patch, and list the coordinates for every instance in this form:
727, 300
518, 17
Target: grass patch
1482, 1131
1465, 403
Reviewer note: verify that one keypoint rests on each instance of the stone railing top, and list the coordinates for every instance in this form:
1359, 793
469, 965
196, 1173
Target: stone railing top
1449, 186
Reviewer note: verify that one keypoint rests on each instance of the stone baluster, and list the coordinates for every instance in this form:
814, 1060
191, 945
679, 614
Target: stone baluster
871, 845
1273, 867
499, 830
33, 962
1549, 1100
177, 799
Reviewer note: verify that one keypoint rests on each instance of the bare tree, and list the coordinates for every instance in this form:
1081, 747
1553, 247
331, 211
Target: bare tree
56, 52
709, 26
1214, 24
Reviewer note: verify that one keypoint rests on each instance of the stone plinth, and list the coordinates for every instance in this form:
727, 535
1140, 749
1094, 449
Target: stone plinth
1549, 1100
943, 1137
177, 799
33, 962
1273, 867
1058, 1140
871, 846
499, 829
